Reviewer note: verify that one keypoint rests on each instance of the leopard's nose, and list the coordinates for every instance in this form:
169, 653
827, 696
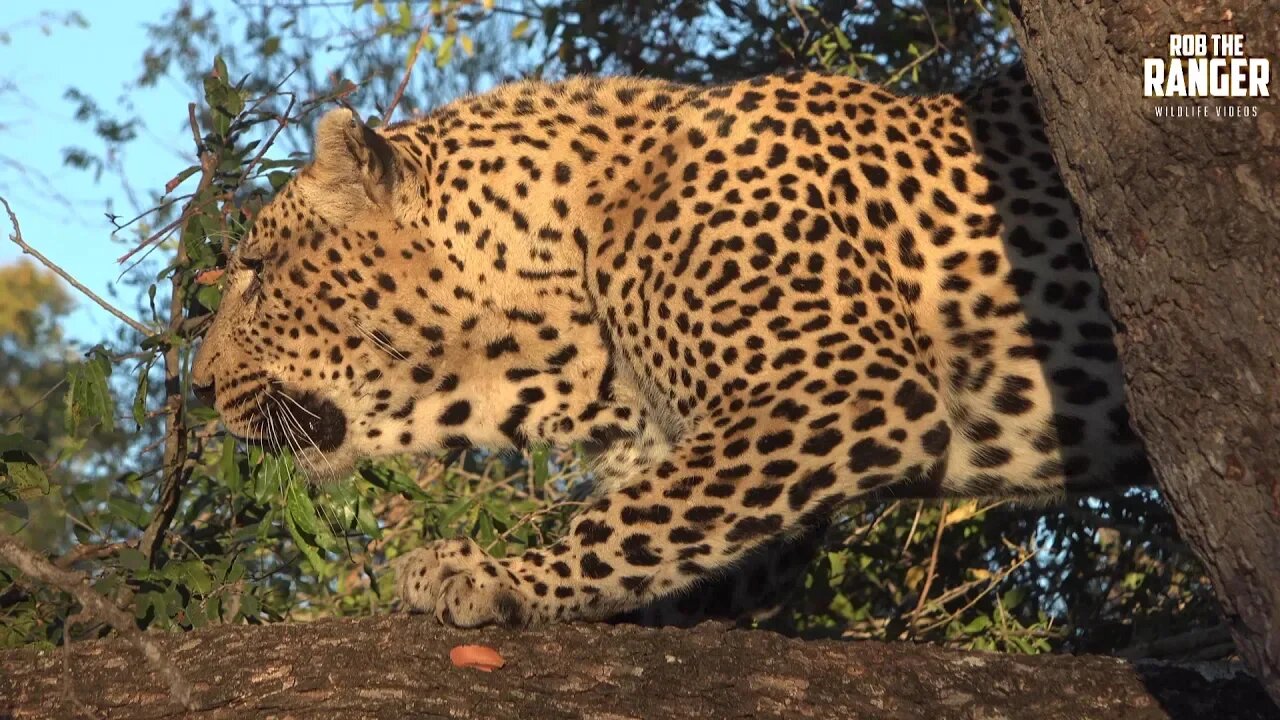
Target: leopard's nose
206, 394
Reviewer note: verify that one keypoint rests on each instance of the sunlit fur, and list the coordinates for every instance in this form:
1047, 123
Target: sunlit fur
756, 301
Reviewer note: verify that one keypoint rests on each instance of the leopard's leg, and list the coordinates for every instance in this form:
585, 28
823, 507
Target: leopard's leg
754, 591
736, 483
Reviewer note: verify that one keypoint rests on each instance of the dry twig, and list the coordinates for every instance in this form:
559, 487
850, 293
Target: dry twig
933, 562
404, 81
16, 237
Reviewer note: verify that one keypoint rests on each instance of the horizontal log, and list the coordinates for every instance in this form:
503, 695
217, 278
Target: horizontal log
398, 666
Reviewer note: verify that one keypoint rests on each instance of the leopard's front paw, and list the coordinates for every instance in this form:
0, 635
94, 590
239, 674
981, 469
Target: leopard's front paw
461, 585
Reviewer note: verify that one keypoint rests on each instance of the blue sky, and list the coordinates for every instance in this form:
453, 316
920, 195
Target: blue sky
37, 123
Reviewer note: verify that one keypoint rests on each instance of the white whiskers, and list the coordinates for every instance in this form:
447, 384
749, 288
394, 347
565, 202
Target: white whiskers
378, 342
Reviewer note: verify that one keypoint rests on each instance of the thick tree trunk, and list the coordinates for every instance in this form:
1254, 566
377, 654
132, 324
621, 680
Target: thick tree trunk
398, 667
1183, 217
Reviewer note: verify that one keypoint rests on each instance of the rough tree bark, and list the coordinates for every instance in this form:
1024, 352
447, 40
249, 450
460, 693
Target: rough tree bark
398, 667
1183, 219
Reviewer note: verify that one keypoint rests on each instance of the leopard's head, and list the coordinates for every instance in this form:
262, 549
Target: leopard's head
327, 333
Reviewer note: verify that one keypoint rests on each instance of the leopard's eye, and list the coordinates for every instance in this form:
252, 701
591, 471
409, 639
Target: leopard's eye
254, 266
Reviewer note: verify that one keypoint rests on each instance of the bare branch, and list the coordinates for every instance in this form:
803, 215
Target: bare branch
933, 562
18, 240
404, 81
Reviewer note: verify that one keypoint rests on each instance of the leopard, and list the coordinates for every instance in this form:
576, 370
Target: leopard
754, 302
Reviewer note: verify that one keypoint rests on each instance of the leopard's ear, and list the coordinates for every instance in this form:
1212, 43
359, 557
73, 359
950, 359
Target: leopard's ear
352, 165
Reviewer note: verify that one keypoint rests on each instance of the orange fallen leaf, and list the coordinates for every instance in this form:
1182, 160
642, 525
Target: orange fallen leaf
209, 277
479, 657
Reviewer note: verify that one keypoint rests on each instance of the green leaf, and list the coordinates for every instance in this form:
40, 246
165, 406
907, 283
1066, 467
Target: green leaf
129, 510
209, 296
224, 101
88, 395
304, 542
132, 559
157, 602
200, 415
22, 479
21, 443
366, 522
195, 615
445, 52
405, 16
299, 508
195, 241
249, 606
274, 472
390, 480
978, 624
196, 576
455, 511
166, 605
181, 177
539, 461
292, 163
229, 464
838, 561
140, 395
483, 532
842, 40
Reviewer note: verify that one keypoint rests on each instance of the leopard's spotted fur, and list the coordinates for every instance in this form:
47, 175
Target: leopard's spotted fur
760, 300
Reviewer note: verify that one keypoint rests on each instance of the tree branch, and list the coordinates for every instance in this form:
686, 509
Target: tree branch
176, 467
408, 71
396, 666
96, 607
16, 237
1189, 270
